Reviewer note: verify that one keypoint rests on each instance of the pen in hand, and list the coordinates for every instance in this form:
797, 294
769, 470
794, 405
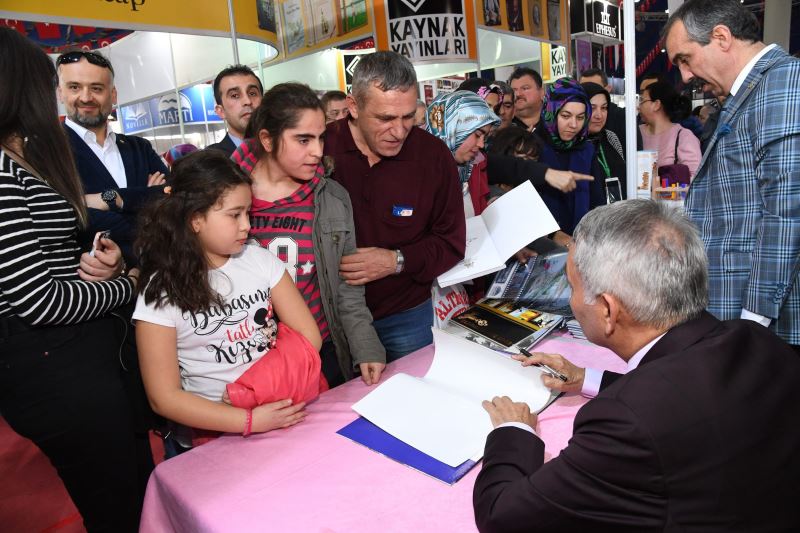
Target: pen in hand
546, 368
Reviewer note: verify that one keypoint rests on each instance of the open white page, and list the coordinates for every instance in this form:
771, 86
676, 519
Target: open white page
447, 427
517, 218
506, 226
480, 256
478, 373
441, 414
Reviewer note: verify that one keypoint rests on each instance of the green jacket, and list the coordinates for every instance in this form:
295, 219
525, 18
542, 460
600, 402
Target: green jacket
349, 320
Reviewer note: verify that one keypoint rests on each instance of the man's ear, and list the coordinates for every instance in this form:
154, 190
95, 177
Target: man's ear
220, 111
612, 310
352, 106
722, 36
114, 95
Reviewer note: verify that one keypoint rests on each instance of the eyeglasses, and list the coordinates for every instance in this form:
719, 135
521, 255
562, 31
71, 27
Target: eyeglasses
92, 57
643, 101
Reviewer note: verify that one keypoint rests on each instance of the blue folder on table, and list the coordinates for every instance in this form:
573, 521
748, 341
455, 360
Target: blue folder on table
365, 432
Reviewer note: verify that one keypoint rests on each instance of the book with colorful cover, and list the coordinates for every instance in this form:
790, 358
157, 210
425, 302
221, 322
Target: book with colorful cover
508, 323
540, 283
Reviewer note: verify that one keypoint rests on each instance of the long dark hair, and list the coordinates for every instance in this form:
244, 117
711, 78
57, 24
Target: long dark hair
280, 110
517, 142
174, 268
28, 109
676, 106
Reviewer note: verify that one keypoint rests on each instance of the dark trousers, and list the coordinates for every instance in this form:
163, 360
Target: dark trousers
796, 348
61, 388
330, 364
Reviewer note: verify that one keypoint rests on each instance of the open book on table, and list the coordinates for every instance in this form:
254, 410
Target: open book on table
541, 283
441, 414
506, 323
509, 224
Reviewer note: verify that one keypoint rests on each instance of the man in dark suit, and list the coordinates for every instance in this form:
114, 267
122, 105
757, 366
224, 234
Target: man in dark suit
238, 92
119, 172
701, 433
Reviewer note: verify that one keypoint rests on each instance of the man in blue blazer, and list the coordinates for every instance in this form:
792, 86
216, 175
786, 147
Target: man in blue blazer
745, 198
119, 172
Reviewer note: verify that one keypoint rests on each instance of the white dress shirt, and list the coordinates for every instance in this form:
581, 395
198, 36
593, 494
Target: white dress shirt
108, 153
593, 376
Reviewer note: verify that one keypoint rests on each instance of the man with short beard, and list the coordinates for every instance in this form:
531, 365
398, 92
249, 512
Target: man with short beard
119, 172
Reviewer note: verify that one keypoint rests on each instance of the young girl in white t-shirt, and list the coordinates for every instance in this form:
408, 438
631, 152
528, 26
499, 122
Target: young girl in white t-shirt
205, 310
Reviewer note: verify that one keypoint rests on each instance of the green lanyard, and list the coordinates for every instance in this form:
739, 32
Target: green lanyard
601, 157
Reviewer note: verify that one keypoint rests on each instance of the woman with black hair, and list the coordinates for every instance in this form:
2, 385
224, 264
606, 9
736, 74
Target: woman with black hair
60, 383
661, 109
609, 151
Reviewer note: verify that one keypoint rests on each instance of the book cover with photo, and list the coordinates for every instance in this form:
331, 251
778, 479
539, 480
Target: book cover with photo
554, 19
352, 14
294, 31
508, 323
323, 17
514, 14
265, 11
540, 283
491, 13
536, 17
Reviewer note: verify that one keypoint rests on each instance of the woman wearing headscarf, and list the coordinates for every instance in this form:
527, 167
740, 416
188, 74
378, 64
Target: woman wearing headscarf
463, 120
565, 118
609, 152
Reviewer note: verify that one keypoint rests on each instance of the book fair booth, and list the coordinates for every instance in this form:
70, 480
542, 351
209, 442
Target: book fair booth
166, 54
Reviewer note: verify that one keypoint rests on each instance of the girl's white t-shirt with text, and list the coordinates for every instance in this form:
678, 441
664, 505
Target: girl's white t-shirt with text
219, 344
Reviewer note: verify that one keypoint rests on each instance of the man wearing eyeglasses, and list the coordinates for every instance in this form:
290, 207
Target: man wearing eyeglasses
335, 105
119, 172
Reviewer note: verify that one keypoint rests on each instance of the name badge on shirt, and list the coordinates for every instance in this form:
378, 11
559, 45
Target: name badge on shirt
402, 210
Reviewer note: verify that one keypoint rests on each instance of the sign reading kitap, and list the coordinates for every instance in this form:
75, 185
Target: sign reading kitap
200, 17
425, 31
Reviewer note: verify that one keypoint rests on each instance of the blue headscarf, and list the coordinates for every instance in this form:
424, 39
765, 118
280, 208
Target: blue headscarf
455, 116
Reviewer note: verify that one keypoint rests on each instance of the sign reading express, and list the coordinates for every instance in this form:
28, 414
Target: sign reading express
428, 30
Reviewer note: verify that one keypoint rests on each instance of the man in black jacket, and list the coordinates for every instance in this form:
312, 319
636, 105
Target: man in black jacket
238, 92
702, 431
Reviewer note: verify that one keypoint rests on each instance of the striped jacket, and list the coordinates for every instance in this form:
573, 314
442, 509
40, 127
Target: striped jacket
745, 198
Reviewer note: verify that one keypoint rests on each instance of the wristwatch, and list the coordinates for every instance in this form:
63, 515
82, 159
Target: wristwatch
401, 262
110, 198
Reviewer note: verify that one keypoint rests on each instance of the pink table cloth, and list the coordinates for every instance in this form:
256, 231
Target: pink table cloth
309, 479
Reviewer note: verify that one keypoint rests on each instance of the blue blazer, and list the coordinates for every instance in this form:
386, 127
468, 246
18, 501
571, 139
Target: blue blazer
140, 160
745, 198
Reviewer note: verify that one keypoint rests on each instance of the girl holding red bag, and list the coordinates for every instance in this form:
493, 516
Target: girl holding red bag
205, 308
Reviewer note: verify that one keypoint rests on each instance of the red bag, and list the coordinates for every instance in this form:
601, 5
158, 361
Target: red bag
292, 369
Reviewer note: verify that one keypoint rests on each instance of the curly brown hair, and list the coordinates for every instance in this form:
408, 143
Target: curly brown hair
174, 268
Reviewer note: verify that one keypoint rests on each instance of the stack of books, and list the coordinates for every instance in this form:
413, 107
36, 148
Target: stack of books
575, 329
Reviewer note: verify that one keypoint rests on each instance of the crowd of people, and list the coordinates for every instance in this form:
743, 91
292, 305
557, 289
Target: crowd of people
135, 296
